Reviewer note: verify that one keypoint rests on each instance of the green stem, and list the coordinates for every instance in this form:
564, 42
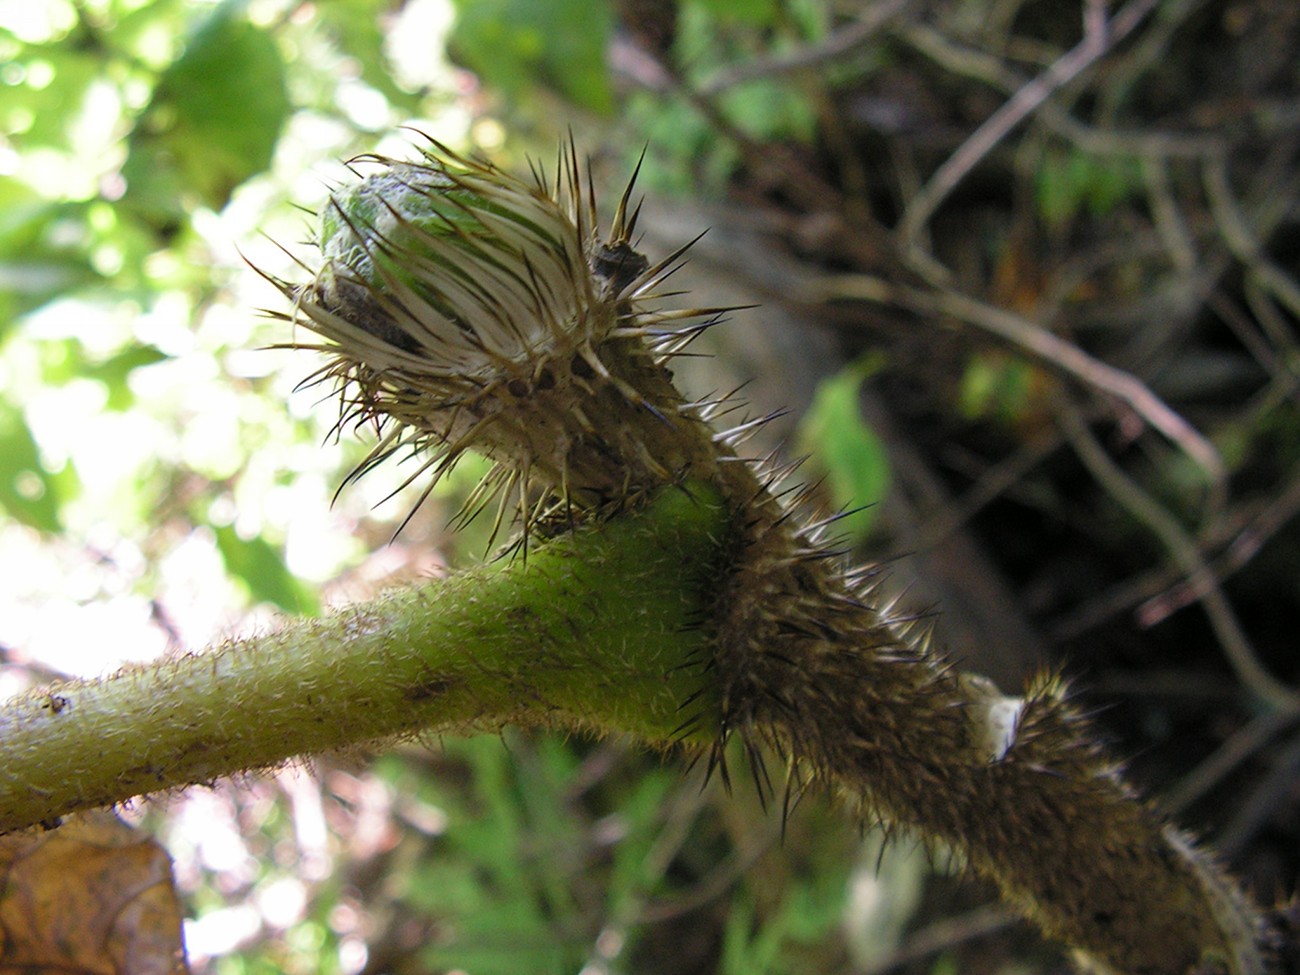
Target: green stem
586, 632
593, 632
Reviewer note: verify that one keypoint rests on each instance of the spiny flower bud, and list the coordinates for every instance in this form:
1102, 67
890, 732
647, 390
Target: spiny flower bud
468, 309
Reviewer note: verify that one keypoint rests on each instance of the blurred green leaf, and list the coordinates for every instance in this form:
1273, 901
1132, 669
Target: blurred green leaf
259, 565
356, 27
136, 25
745, 951
852, 456
515, 44
810, 909
28, 491
65, 360
43, 250
997, 386
500, 884
771, 111
685, 157
642, 811
114, 372
1068, 182
49, 87
213, 120
757, 13
1057, 198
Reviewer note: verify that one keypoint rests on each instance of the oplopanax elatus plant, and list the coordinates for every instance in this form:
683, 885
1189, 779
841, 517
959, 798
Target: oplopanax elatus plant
466, 309
663, 584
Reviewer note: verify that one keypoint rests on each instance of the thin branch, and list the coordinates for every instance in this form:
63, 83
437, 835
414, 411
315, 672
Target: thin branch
1182, 549
1242, 240
997, 480
1248, 334
1047, 348
834, 46
1242, 744
1100, 36
1264, 801
1172, 229
942, 935
992, 71
1274, 324
1160, 592
1244, 547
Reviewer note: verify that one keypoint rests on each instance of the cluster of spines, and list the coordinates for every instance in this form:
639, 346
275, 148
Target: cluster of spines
407, 329
792, 625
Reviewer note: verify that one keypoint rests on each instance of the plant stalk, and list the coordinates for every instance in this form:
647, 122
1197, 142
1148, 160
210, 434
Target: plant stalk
585, 633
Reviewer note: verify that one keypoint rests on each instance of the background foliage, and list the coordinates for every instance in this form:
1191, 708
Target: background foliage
1030, 266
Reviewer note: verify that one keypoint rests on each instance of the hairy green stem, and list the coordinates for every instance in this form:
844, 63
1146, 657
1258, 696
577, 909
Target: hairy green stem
587, 632
611, 629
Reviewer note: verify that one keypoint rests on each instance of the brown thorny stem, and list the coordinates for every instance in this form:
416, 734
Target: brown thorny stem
465, 309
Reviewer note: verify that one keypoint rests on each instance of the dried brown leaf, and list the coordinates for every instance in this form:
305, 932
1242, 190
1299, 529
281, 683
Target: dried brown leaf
93, 897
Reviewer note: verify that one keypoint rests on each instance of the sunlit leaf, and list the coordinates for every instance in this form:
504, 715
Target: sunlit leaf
28, 491
847, 449
93, 897
757, 13
257, 563
52, 81
43, 250
515, 44
115, 371
356, 26
213, 121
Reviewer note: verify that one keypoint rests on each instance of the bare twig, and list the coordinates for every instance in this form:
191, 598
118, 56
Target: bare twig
1049, 349
942, 935
1242, 240
1153, 46
992, 71
1158, 593
1238, 553
1182, 549
1274, 323
996, 481
711, 887
1248, 334
1168, 219
834, 46
1264, 801
1243, 743
1100, 36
